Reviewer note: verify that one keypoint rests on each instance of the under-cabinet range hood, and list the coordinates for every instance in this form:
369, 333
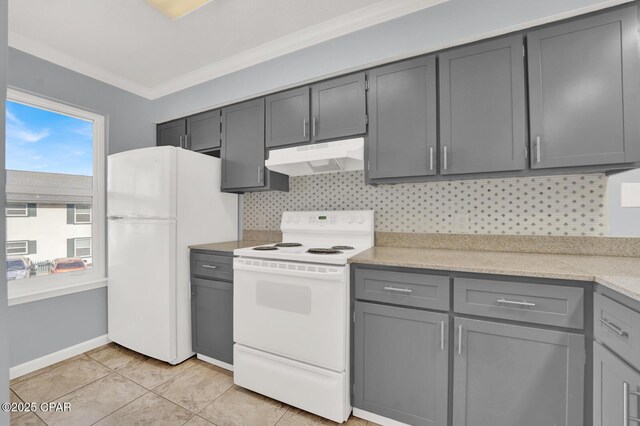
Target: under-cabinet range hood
326, 157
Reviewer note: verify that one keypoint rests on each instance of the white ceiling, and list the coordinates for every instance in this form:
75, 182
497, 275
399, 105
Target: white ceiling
129, 44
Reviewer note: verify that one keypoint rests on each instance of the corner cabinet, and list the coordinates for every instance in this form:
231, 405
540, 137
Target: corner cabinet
243, 150
482, 107
402, 106
584, 91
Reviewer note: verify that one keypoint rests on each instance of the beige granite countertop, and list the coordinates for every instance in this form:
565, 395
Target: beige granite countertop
621, 274
230, 246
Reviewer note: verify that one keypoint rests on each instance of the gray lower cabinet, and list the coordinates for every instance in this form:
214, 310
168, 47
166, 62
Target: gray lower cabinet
287, 117
584, 91
507, 375
338, 107
203, 131
212, 319
401, 363
402, 106
243, 150
482, 107
171, 133
616, 390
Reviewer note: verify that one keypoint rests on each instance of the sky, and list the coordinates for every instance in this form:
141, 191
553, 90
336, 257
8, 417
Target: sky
39, 140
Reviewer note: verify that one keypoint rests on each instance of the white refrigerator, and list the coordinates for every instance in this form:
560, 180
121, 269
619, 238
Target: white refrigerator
160, 200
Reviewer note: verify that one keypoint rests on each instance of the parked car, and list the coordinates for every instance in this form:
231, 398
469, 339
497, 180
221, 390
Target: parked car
19, 268
67, 264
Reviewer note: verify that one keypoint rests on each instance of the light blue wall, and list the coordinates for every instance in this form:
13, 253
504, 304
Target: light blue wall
4, 355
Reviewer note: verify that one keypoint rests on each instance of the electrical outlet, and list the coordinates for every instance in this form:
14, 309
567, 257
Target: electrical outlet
461, 223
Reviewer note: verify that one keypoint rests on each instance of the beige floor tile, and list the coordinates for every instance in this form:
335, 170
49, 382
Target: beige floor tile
59, 381
214, 367
117, 357
29, 419
14, 399
297, 417
100, 348
240, 407
42, 370
95, 401
198, 421
152, 373
196, 387
151, 409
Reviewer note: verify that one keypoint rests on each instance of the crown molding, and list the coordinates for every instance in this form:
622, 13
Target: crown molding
353, 21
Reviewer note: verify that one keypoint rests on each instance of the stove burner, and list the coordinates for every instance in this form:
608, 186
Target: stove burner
342, 248
288, 245
323, 251
265, 248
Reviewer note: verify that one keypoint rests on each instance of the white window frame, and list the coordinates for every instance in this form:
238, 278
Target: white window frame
7, 208
37, 288
75, 247
26, 248
75, 215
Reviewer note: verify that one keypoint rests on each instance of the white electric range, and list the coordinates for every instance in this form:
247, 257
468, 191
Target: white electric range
291, 311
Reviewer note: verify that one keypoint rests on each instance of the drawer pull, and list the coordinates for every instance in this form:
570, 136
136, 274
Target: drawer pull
399, 290
210, 266
614, 327
515, 302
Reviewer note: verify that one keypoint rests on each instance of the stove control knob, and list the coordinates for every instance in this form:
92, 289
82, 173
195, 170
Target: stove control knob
360, 219
350, 219
287, 219
296, 219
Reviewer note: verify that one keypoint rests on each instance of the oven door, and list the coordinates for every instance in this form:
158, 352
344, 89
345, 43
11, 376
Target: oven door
295, 310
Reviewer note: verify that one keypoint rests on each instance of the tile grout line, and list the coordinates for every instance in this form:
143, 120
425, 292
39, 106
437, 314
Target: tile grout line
128, 403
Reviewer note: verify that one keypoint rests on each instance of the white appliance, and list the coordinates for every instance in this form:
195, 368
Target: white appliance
291, 311
327, 157
160, 201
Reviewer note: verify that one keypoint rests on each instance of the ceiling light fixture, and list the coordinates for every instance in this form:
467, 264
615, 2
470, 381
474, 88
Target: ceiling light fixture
175, 9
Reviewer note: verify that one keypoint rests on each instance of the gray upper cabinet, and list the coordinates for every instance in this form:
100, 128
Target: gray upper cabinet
288, 117
584, 91
171, 133
203, 131
401, 363
243, 150
338, 107
482, 107
506, 375
402, 107
616, 390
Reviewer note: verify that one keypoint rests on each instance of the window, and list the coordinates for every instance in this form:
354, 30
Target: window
82, 213
17, 210
55, 159
15, 248
82, 247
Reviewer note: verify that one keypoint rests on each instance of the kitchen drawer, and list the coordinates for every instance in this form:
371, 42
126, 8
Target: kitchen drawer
403, 288
212, 266
617, 327
536, 303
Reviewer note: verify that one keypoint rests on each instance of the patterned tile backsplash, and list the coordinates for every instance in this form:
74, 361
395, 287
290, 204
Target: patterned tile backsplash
548, 205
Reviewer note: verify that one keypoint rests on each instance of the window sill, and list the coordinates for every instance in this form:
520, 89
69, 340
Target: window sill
44, 290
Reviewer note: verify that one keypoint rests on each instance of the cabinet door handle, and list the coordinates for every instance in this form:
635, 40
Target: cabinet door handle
538, 150
314, 125
618, 330
442, 335
460, 339
431, 158
515, 302
399, 290
187, 144
304, 127
209, 266
444, 166
181, 141
626, 393
259, 174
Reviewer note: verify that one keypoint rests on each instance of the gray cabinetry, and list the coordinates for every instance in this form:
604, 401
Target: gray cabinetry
338, 107
203, 131
401, 363
171, 133
482, 107
584, 91
287, 117
402, 107
243, 150
212, 305
506, 375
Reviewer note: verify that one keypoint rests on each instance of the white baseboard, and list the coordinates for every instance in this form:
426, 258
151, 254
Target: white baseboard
61, 355
376, 418
215, 362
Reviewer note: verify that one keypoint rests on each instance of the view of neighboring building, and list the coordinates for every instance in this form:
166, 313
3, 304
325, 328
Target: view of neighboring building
44, 231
